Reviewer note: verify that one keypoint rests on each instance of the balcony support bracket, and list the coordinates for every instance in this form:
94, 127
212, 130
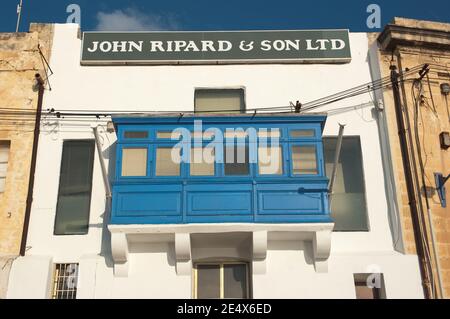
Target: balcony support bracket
321, 249
259, 252
183, 254
120, 250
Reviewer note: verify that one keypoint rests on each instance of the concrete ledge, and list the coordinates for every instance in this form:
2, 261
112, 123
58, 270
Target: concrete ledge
319, 234
30, 278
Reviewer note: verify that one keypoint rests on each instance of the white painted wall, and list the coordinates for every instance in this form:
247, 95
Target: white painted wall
290, 273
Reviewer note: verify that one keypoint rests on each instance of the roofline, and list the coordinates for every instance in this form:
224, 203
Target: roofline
223, 118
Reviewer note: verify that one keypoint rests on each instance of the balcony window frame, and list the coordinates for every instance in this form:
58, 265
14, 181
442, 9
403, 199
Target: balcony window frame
251, 189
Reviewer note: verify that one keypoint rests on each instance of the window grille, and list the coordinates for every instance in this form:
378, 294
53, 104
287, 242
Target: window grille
65, 281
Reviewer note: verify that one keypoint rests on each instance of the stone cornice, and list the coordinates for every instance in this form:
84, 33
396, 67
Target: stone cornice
418, 35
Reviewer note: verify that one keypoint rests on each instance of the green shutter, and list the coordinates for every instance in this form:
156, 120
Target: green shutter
75, 185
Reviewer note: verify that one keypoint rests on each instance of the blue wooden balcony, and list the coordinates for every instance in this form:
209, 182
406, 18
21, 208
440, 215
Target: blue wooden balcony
275, 176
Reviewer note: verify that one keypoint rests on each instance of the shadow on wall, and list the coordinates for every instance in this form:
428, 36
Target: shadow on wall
298, 246
105, 251
167, 248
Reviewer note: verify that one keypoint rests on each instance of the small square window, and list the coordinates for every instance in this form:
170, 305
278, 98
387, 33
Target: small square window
65, 281
270, 160
219, 100
304, 161
369, 286
134, 162
236, 160
202, 161
167, 161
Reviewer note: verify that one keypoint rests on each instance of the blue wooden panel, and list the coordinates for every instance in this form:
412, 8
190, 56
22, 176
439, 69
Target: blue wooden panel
210, 199
147, 200
289, 202
219, 203
285, 198
148, 204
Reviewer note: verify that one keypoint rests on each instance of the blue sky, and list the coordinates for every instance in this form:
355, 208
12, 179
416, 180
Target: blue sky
220, 15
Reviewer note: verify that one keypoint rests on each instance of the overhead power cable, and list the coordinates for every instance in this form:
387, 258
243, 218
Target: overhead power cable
330, 99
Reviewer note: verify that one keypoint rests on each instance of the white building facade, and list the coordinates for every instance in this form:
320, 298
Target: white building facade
281, 260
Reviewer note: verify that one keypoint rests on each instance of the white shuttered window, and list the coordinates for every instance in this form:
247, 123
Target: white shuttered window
4, 157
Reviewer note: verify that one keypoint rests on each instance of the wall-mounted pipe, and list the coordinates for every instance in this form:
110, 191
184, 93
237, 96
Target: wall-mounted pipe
40, 86
337, 154
102, 163
420, 245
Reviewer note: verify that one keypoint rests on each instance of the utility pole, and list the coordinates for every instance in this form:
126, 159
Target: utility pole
19, 14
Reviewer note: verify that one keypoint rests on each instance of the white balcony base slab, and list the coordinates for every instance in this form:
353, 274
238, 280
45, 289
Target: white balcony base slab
319, 234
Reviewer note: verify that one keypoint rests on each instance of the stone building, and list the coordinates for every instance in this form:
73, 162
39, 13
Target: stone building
417, 54
176, 230
20, 61
114, 216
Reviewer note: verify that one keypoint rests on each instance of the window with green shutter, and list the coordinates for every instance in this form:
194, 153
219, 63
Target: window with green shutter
75, 185
219, 100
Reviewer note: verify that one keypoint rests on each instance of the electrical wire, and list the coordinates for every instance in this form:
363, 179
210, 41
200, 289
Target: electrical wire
352, 92
422, 165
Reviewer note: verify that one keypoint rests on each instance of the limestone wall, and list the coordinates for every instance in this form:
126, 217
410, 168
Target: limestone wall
433, 118
19, 62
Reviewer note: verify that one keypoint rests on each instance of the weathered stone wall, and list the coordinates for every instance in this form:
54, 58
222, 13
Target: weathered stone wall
409, 51
19, 62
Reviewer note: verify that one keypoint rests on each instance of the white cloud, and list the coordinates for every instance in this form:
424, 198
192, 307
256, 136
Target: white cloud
131, 19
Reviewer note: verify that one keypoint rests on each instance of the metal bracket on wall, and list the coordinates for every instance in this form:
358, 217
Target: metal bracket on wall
440, 187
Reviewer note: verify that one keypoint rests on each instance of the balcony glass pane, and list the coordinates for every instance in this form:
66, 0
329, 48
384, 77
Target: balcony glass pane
167, 161
301, 133
269, 133
202, 161
236, 160
270, 160
169, 135
136, 134
304, 160
134, 162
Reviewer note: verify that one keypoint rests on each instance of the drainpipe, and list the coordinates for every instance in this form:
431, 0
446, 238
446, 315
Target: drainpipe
102, 164
40, 86
409, 183
105, 249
